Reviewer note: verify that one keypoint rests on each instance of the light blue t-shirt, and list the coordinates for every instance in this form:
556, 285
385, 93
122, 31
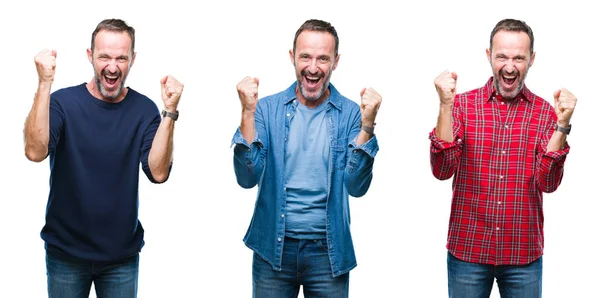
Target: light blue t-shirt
306, 168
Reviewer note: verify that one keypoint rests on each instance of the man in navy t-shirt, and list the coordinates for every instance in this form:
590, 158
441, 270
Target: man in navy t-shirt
96, 135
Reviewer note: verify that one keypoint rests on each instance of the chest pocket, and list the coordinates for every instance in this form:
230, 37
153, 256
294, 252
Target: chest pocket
339, 151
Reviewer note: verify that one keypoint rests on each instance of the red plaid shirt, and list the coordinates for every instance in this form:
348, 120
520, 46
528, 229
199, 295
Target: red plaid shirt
500, 167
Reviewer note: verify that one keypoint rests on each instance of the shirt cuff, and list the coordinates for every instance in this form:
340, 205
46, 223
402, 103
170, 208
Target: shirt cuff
559, 154
440, 144
370, 147
238, 139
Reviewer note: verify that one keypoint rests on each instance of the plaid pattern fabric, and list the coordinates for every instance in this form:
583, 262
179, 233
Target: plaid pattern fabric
500, 166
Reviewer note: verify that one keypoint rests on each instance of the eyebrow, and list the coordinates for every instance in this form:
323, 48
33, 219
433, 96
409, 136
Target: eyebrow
104, 55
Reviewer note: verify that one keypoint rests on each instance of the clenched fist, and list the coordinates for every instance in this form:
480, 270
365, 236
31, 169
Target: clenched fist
370, 101
564, 104
170, 89
248, 92
445, 84
45, 63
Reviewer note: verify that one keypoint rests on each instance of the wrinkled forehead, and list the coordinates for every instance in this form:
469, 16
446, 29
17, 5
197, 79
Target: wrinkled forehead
515, 40
113, 41
312, 40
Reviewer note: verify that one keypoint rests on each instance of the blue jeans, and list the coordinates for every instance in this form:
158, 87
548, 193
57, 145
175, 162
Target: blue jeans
304, 262
472, 280
69, 278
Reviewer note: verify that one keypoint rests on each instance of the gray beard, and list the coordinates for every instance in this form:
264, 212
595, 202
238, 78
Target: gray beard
316, 97
105, 93
510, 96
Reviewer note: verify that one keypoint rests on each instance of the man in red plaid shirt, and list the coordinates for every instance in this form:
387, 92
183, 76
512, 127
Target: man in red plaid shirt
504, 146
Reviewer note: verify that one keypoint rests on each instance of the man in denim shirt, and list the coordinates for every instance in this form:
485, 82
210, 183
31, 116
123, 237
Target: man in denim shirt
308, 148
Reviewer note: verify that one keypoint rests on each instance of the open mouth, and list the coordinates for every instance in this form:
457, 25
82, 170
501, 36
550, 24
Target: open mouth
111, 79
509, 80
312, 80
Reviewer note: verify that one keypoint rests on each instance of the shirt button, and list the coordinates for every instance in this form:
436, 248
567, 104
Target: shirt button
501, 176
521, 99
249, 149
288, 114
497, 228
459, 140
499, 203
285, 188
501, 102
282, 215
279, 239
503, 152
505, 126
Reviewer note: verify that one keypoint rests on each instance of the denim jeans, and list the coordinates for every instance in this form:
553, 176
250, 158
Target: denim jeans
306, 263
472, 280
73, 279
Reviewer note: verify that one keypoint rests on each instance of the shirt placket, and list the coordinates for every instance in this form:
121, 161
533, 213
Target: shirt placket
289, 115
505, 116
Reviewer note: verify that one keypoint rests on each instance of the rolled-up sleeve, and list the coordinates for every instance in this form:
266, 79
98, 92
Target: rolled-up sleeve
550, 165
359, 167
248, 159
445, 156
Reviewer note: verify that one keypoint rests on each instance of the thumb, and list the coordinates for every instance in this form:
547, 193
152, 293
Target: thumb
53, 52
163, 81
556, 95
362, 92
256, 80
454, 75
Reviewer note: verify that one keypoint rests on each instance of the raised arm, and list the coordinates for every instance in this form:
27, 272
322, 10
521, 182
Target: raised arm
161, 153
446, 146
445, 84
564, 105
549, 171
37, 125
248, 92
250, 151
359, 168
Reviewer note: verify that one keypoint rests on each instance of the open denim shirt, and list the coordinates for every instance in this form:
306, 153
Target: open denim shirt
262, 163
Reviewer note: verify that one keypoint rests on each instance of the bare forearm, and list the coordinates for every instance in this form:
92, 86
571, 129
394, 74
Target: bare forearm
443, 129
161, 153
247, 126
557, 141
37, 125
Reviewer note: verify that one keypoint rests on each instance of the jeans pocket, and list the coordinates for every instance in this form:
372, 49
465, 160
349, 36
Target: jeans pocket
322, 243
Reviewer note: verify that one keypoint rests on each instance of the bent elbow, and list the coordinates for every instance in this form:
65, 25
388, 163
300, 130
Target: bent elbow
549, 188
357, 193
246, 183
34, 155
442, 177
160, 178
358, 190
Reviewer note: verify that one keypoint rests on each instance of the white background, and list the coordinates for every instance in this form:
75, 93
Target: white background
195, 222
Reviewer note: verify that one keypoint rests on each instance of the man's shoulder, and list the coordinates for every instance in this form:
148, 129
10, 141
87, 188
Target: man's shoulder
69, 91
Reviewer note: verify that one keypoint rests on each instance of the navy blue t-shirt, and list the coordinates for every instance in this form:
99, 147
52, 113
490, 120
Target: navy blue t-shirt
95, 152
